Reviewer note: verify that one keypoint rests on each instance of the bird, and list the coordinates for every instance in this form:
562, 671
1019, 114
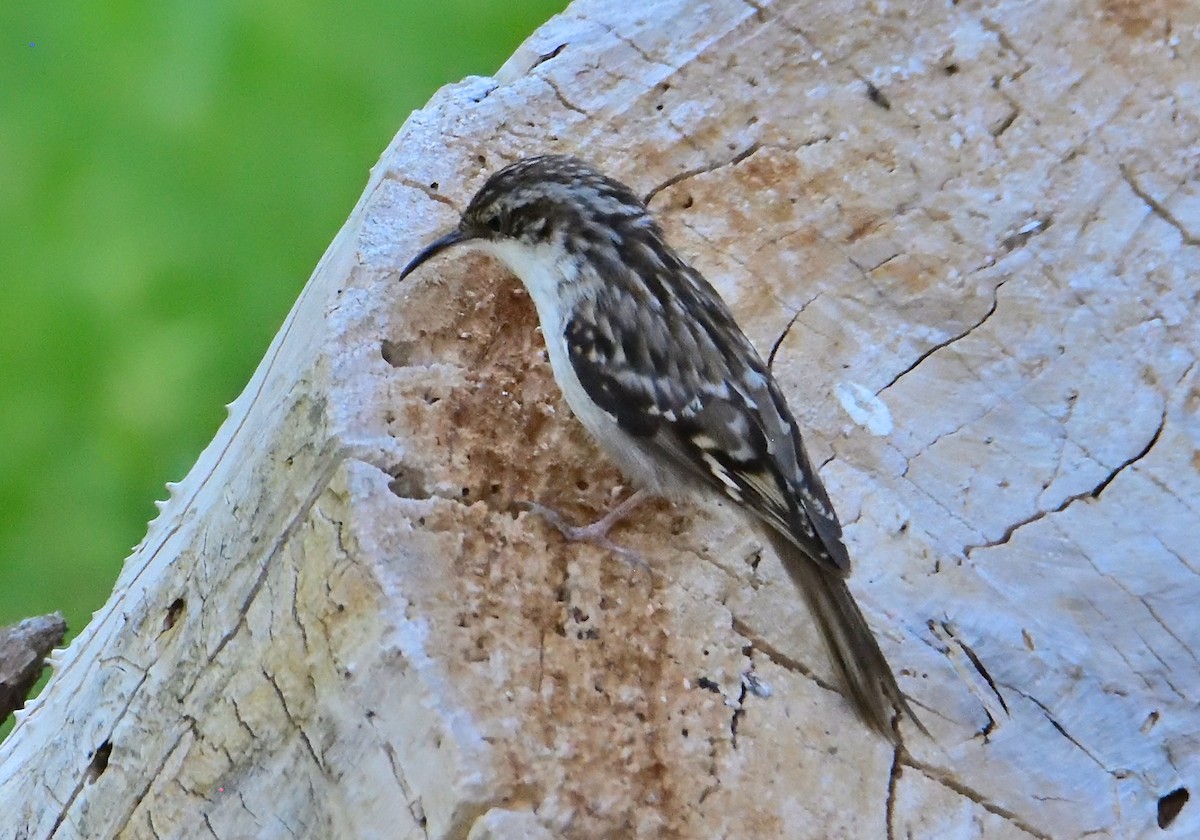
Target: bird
651, 361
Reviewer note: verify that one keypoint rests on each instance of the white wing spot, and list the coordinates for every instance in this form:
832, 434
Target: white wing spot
716, 469
705, 442
814, 504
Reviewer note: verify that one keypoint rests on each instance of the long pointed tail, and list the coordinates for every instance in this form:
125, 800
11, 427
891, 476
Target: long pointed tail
864, 671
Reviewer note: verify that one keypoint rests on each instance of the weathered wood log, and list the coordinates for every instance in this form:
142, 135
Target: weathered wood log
974, 232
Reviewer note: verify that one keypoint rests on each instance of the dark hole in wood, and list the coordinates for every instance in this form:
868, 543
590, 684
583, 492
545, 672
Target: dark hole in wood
100, 762
1170, 805
878, 97
173, 613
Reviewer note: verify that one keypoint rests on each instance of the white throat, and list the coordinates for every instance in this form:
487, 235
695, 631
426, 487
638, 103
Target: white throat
552, 278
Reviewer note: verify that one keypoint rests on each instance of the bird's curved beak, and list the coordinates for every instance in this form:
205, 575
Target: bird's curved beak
433, 249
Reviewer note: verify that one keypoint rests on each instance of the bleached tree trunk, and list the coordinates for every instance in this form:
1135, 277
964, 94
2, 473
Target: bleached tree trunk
975, 229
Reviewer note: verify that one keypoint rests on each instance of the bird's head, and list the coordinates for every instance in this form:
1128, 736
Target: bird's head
550, 202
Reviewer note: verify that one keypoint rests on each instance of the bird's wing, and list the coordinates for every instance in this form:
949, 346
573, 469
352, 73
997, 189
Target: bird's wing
674, 370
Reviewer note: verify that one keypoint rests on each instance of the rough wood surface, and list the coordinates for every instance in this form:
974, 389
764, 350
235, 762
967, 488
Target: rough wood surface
976, 230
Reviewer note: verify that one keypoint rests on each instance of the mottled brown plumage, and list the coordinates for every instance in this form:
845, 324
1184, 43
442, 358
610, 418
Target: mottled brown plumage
653, 364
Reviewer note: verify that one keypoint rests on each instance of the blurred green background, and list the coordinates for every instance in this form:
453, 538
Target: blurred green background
170, 174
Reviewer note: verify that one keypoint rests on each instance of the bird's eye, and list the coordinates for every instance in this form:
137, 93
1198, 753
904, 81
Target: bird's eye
493, 223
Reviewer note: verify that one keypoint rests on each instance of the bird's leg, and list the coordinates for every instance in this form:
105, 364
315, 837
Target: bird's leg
597, 532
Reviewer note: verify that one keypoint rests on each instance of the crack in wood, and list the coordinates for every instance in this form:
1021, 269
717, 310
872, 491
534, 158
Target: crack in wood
946, 780
1004, 123
1021, 236
237, 715
945, 633
629, 42
778, 657
1158, 209
153, 776
412, 802
892, 788
1094, 493
1062, 730
428, 190
292, 720
680, 177
1170, 631
295, 576
544, 57
944, 344
65, 807
151, 826
321, 481
245, 807
739, 710
562, 99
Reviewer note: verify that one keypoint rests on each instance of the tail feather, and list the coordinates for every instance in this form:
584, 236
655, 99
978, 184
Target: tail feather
860, 663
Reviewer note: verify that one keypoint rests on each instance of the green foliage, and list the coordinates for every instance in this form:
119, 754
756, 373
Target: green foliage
169, 175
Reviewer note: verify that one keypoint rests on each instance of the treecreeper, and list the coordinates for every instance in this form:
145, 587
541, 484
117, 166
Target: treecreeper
652, 362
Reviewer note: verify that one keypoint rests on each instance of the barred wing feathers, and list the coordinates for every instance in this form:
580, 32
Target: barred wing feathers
670, 365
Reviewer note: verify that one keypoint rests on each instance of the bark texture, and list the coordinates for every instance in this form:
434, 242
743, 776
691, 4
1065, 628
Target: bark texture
973, 230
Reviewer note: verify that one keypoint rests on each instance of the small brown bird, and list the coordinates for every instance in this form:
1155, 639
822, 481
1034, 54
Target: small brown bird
651, 361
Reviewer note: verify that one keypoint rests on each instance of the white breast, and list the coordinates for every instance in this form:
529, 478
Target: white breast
548, 274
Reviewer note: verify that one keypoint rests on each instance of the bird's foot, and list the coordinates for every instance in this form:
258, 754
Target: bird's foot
597, 533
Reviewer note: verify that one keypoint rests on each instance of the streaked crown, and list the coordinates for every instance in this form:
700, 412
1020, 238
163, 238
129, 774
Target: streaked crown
541, 198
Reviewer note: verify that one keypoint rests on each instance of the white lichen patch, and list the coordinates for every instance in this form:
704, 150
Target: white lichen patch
864, 407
